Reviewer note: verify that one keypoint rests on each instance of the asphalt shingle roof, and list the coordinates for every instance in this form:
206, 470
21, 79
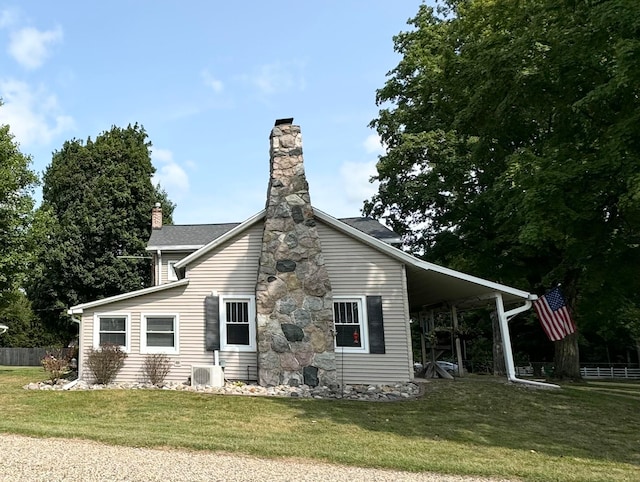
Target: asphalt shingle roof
193, 236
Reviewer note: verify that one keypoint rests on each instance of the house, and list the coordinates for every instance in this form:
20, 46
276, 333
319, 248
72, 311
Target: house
291, 295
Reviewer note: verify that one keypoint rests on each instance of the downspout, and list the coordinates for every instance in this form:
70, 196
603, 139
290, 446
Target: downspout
74, 382
503, 321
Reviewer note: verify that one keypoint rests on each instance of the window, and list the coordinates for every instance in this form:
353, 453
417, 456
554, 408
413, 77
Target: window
350, 324
237, 323
171, 272
159, 333
111, 328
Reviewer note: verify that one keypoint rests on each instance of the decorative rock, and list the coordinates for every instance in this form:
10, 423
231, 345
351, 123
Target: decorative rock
310, 376
292, 332
286, 266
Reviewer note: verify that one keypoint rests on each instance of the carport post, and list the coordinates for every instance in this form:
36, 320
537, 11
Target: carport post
454, 318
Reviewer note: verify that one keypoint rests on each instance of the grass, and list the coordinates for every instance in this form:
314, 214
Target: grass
473, 426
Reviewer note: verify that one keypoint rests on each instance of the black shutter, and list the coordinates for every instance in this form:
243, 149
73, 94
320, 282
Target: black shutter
212, 322
376, 326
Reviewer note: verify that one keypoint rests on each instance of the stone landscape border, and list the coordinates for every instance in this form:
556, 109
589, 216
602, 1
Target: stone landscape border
378, 393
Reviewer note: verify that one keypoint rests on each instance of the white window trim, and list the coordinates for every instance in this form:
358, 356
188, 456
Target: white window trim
127, 328
251, 299
144, 349
171, 273
364, 324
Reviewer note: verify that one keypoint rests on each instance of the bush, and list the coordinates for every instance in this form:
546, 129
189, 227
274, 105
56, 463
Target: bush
156, 367
56, 364
105, 362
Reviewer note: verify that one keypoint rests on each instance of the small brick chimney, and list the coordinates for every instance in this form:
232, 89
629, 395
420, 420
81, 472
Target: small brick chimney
156, 216
293, 293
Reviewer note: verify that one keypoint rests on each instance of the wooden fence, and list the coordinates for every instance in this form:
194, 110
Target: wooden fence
23, 357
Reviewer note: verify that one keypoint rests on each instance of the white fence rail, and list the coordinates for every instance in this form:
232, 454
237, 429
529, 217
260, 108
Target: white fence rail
610, 372
591, 372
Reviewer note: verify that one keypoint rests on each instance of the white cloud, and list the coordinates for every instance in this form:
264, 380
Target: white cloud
355, 180
278, 77
33, 115
171, 176
373, 144
30, 47
210, 81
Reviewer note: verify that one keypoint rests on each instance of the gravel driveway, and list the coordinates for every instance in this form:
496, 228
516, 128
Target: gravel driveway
52, 460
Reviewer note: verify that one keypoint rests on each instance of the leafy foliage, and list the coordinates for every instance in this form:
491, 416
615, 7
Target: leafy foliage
97, 201
16, 209
513, 149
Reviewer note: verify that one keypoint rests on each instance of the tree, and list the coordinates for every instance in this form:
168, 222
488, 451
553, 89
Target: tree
513, 141
97, 201
16, 209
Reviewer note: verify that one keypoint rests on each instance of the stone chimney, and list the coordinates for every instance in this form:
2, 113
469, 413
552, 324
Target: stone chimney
293, 292
156, 216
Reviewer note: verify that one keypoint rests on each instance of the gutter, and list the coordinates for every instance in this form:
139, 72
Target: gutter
503, 318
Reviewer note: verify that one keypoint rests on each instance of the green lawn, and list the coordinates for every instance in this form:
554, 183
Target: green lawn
475, 426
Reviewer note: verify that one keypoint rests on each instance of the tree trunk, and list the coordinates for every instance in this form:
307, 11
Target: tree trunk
499, 365
567, 358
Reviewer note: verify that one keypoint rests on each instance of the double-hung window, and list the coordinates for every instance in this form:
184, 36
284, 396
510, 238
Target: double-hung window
237, 323
112, 329
350, 321
159, 333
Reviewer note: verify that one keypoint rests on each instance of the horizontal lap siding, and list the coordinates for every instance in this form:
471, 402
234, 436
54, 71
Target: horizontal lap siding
231, 269
356, 269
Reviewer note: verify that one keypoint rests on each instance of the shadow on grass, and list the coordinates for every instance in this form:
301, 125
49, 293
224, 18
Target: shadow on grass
597, 421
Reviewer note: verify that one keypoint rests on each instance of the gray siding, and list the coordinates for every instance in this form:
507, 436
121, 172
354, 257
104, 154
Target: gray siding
355, 270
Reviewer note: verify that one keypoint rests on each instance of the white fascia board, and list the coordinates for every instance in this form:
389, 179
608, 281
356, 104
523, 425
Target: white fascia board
406, 258
124, 296
222, 239
178, 247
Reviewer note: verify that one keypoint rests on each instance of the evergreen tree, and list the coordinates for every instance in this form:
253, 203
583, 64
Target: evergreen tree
97, 201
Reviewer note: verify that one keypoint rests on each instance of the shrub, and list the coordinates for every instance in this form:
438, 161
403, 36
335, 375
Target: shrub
156, 367
105, 362
55, 364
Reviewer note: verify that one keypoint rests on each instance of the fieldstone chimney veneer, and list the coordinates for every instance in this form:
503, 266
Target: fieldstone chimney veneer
293, 292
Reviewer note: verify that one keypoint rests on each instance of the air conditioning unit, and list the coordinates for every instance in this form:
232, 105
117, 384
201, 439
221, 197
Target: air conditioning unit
212, 375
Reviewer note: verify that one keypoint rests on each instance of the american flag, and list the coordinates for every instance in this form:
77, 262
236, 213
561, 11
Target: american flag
554, 315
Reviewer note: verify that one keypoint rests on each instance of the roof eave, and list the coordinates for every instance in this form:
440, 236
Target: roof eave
78, 309
413, 261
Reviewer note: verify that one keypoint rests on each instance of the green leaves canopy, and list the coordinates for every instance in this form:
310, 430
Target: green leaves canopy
97, 201
513, 134
16, 209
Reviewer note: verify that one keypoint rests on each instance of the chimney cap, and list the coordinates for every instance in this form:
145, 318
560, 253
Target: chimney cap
288, 120
157, 205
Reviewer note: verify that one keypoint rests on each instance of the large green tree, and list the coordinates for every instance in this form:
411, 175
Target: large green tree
17, 182
97, 201
513, 134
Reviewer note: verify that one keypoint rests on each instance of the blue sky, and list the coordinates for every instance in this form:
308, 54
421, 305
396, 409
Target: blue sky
207, 81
